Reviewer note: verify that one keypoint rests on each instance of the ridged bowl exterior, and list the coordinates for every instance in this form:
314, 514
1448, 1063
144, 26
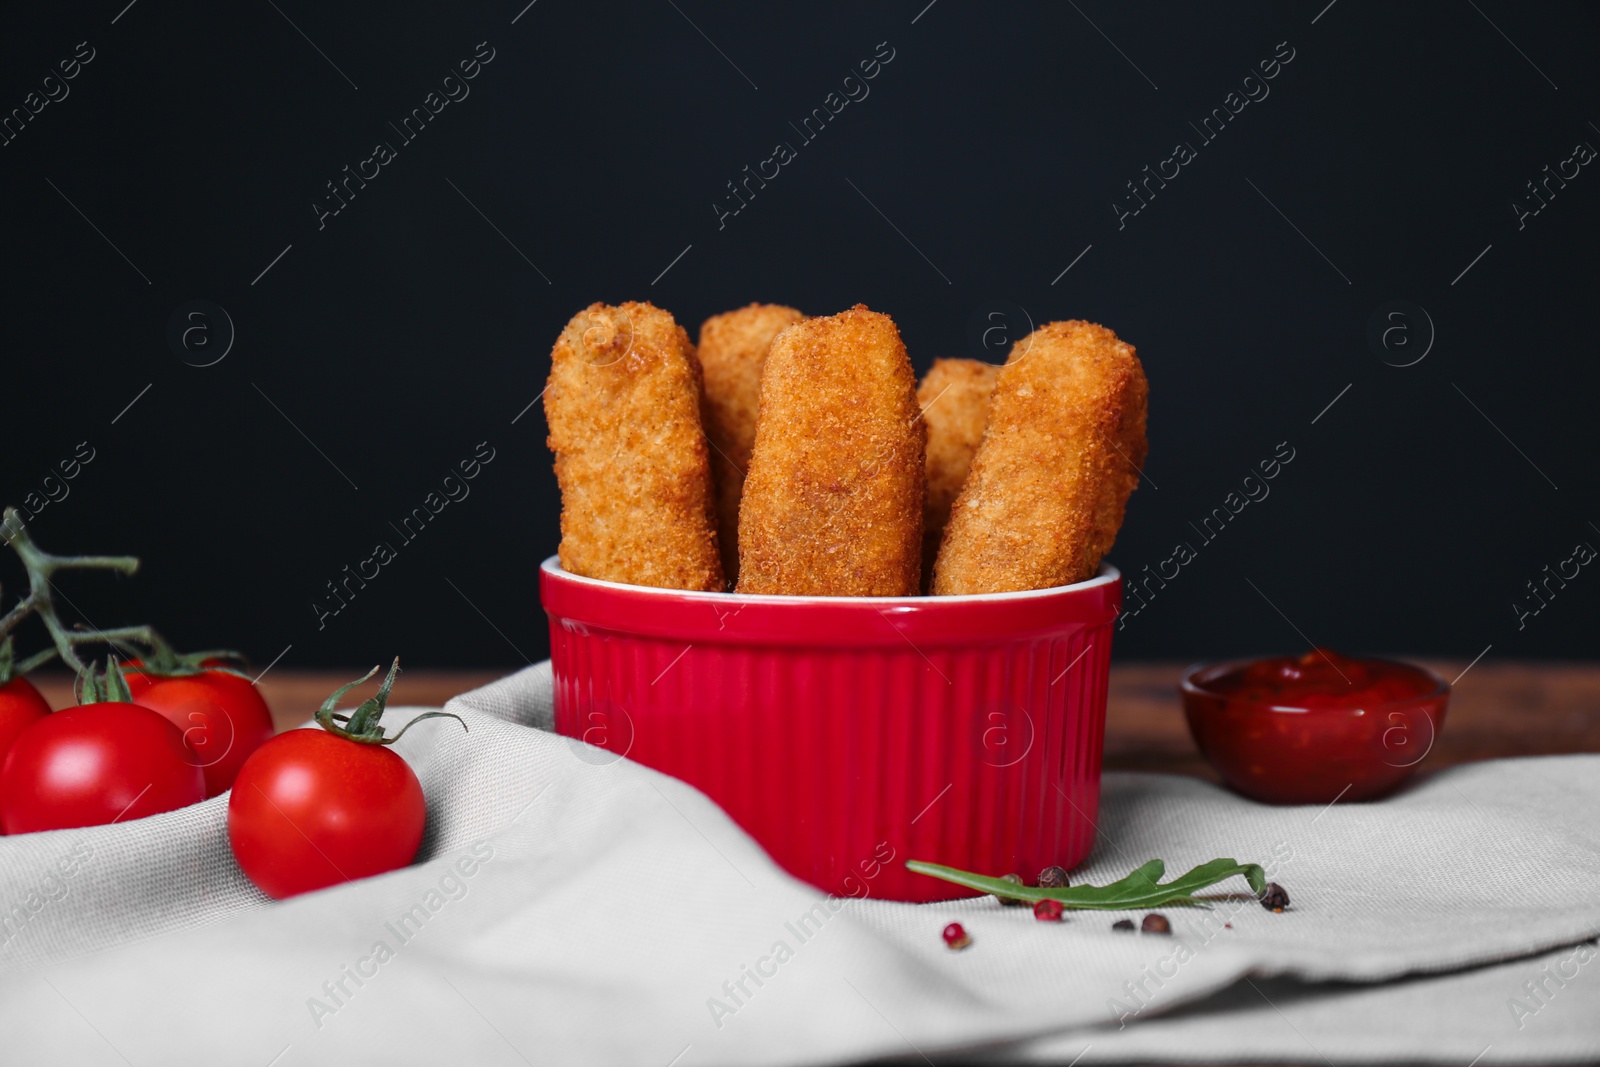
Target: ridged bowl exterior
848, 735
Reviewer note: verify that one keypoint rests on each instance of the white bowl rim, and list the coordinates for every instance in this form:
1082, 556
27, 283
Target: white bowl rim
1107, 575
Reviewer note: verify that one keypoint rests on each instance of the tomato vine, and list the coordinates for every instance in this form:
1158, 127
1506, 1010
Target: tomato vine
156, 655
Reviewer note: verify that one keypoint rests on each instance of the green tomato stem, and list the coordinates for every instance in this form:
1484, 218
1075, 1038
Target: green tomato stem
364, 725
42, 567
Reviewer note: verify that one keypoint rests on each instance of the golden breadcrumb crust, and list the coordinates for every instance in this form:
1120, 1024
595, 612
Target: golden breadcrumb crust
833, 495
623, 404
1060, 454
733, 347
954, 397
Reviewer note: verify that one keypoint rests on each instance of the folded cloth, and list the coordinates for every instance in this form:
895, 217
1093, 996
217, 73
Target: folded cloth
572, 907
1541, 1009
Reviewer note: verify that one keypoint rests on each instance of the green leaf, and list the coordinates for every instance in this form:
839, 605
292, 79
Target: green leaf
1141, 889
1142, 878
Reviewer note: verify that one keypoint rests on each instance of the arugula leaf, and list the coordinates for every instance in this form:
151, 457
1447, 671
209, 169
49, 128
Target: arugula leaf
1141, 889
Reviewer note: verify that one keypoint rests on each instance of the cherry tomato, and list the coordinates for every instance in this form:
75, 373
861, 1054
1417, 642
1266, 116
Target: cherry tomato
20, 707
221, 715
310, 810
96, 764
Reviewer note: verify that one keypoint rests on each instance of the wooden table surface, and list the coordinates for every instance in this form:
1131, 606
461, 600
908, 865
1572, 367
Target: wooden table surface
1497, 709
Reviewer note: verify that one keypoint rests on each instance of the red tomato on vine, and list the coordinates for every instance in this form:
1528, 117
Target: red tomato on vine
317, 807
221, 715
106, 760
20, 707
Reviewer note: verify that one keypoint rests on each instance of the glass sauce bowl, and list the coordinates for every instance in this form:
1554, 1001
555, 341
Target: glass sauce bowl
1315, 728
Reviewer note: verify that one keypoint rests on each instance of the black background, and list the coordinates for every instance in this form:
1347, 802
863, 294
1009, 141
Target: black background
986, 158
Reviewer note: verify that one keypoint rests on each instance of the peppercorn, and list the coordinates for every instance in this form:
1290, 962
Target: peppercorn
1011, 902
1053, 877
1155, 923
955, 937
1273, 898
1123, 926
1047, 911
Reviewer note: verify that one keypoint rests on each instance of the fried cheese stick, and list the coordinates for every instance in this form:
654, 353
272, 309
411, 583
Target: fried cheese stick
833, 496
954, 397
733, 347
623, 404
1061, 452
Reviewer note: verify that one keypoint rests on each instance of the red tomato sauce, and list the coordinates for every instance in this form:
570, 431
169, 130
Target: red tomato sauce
1321, 679
1315, 728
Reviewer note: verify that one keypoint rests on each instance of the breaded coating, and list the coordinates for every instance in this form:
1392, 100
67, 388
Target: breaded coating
733, 346
623, 404
833, 496
1061, 452
954, 397
1123, 470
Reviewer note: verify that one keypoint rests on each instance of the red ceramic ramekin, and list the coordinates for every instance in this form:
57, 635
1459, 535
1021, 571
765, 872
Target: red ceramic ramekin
850, 734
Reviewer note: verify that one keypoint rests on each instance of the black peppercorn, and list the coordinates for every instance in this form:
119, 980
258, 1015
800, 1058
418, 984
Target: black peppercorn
1124, 925
1273, 898
1011, 902
1053, 877
1155, 923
